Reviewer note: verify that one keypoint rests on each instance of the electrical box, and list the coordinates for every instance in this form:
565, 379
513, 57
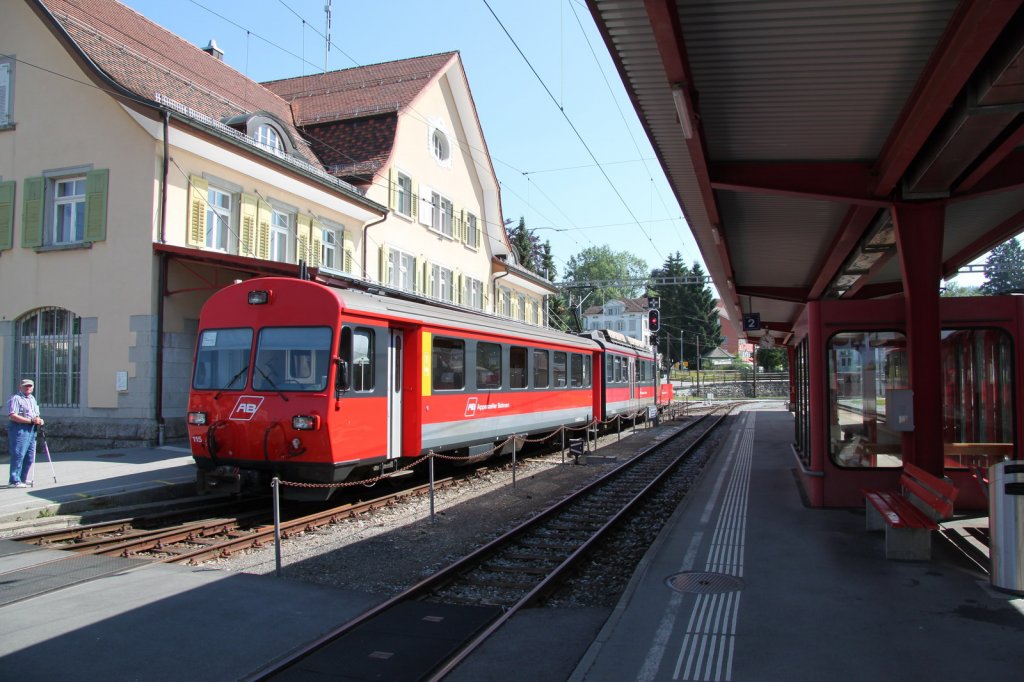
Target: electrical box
899, 409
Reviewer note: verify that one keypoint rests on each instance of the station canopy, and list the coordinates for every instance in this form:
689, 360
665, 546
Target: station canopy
788, 131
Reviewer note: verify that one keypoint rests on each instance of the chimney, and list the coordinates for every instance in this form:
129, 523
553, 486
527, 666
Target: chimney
214, 51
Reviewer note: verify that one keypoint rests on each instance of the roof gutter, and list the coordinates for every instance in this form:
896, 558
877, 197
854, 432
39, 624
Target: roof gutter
366, 228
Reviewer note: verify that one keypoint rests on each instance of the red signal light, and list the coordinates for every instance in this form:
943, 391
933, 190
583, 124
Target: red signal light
654, 319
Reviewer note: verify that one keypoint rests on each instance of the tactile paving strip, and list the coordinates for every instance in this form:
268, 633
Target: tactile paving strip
54, 575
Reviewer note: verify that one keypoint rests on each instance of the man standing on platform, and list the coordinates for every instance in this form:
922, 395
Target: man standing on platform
23, 413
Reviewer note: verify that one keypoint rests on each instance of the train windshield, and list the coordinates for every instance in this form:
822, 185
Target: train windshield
292, 359
222, 359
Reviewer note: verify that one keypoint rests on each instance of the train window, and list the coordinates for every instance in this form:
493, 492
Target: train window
357, 351
488, 365
864, 367
540, 368
587, 373
559, 369
517, 375
609, 368
292, 359
617, 372
448, 364
576, 370
222, 359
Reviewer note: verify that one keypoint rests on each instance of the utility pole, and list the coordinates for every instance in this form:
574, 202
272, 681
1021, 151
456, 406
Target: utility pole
698, 364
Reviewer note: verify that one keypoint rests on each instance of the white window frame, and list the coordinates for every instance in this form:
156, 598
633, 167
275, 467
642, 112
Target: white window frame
401, 270
521, 298
330, 253
216, 235
281, 224
504, 302
6, 91
442, 282
403, 202
473, 293
442, 214
471, 231
269, 136
439, 142
75, 232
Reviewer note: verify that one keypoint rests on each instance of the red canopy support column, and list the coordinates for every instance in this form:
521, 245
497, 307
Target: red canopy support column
919, 230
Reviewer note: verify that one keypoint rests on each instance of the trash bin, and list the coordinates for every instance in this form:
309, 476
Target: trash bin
1006, 525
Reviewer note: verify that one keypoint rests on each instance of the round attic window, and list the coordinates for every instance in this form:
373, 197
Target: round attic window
442, 151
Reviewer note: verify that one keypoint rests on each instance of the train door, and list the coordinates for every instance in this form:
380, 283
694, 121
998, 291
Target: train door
632, 384
395, 394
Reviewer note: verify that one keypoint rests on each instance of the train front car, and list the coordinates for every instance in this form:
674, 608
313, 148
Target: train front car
264, 387
629, 383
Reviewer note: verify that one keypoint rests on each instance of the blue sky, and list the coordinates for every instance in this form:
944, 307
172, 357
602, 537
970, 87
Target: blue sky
547, 174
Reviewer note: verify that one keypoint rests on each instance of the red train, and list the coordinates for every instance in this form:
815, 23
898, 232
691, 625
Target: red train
322, 384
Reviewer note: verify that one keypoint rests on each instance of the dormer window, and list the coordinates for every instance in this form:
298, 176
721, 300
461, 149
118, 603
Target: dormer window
268, 136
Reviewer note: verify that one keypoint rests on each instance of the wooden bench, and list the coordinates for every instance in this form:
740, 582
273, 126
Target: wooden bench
910, 514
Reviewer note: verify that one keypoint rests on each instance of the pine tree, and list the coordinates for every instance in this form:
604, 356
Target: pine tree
700, 319
1004, 269
525, 245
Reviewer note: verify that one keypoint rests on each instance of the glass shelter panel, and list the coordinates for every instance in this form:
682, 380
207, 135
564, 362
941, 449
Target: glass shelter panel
863, 369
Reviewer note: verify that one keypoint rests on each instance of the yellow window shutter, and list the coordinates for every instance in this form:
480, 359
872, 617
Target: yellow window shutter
264, 213
414, 200
197, 189
303, 227
457, 294
316, 244
6, 215
247, 226
348, 254
382, 270
479, 234
392, 189
419, 284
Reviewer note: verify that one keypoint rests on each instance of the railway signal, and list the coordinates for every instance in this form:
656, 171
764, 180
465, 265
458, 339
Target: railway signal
654, 319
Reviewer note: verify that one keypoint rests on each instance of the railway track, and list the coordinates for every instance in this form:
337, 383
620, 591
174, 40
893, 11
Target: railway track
438, 622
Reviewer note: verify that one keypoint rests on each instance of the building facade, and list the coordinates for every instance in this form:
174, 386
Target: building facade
171, 176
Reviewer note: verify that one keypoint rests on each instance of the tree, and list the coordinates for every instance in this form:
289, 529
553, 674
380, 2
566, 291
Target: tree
954, 290
688, 310
772, 359
526, 246
1004, 269
601, 263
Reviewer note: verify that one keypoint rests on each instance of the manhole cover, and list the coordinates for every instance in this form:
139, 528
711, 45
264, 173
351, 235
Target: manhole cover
110, 455
704, 583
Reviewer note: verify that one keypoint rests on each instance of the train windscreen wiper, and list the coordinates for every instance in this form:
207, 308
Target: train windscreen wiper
272, 384
231, 381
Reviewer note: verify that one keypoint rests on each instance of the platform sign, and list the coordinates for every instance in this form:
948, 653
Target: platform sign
751, 322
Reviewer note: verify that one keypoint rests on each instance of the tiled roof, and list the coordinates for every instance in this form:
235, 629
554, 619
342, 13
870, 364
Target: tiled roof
361, 91
148, 60
631, 305
354, 150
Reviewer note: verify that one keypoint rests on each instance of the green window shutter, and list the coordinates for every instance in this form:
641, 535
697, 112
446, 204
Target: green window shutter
382, 271
414, 200
303, 236
419, 276
247, 226
263, 215
97, 184
6, 215
197, 190
32, 213
457, 294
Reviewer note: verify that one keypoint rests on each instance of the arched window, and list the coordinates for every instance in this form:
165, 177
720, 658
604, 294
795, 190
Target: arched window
268, 136
48, 343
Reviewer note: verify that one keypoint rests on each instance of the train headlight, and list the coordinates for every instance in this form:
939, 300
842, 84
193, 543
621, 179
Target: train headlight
305, 422
197, 418
260, 297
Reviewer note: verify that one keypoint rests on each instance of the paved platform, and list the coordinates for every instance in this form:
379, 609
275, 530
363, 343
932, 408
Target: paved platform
97, 479
790, 593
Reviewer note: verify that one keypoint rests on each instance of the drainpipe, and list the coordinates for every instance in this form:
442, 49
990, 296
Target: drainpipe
494, 288
158, 381
366, 229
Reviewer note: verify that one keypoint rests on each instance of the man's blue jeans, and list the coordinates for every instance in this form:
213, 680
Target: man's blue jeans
21, 439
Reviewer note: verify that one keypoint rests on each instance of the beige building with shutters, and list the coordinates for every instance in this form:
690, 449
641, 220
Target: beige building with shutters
173, 175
